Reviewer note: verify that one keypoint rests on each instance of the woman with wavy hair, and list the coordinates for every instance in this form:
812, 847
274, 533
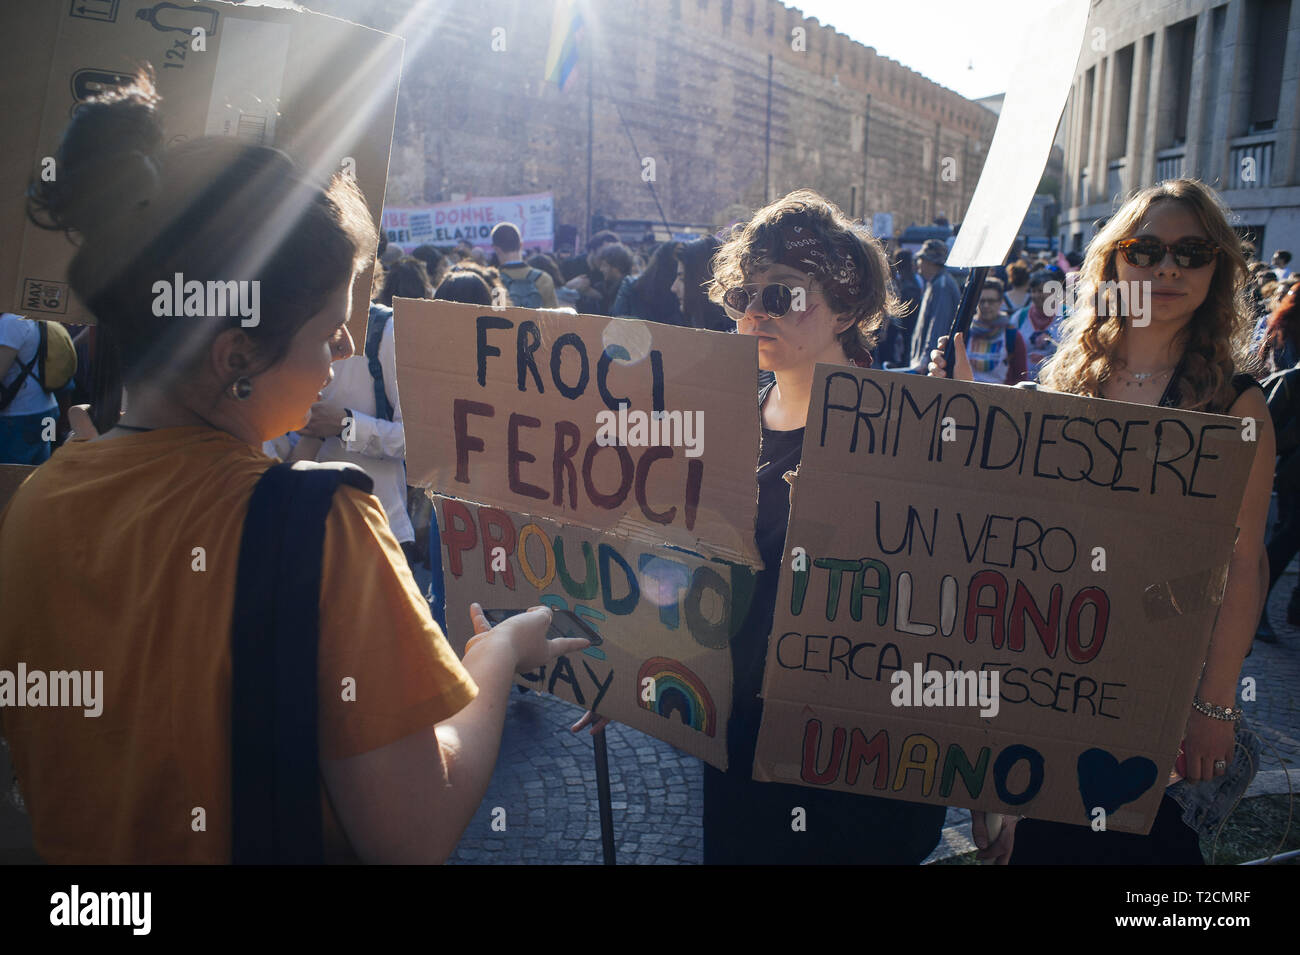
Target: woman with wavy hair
1186, 351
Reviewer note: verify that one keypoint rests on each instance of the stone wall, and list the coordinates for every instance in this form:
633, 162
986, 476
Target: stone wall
686, 81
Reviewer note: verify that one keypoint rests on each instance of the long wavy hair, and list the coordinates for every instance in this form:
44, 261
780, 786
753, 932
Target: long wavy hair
1215, 343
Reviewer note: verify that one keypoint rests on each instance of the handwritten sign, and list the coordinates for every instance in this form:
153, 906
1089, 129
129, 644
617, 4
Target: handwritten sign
619, 426
1001, 599
659, 620
604, 467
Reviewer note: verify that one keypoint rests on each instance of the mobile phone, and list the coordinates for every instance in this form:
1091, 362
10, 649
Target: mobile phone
564, 623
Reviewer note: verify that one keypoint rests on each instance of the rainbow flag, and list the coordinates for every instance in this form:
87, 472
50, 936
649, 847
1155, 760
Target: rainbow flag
566, 31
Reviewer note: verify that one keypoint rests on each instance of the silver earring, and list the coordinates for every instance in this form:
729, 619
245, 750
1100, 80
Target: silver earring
241, 389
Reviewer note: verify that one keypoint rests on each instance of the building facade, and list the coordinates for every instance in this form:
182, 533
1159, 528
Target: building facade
1200, 88
684, 83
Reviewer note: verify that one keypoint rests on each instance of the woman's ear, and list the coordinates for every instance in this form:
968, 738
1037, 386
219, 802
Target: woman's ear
231, 355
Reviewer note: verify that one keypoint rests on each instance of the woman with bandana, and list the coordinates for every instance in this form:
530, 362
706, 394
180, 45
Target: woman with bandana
811, 286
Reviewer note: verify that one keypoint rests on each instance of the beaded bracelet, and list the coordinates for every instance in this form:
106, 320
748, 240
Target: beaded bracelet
1216, 712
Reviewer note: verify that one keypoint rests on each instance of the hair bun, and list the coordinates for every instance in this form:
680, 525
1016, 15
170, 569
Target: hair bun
106, 165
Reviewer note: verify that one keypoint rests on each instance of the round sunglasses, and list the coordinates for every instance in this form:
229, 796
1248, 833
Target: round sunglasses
1146, 252
775, 299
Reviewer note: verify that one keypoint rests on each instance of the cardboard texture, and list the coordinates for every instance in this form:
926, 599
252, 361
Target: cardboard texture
659, 620
504, 408
321, 89
985, 552
11, 477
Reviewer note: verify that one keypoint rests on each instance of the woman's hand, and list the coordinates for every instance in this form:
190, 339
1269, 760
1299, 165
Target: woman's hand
527, 635
597, 723
82, 428
962, 370
999, 851
1208, 740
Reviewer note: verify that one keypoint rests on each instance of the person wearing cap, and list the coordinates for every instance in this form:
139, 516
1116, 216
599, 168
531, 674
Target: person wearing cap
938, 303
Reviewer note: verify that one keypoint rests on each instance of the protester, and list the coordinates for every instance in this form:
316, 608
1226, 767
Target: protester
1176, 236
896, 333
1282, 264
1016, 296
614, 262
938, 303
435, 263
474, 284
996, 350
527, 287
583, 277
163, 491
1280, 347
694, 273
1039, 322
26, 408
406, 278
847, 288
649, 296
1284, 408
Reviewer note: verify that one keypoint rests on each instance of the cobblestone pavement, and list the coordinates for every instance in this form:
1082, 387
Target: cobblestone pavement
545, 779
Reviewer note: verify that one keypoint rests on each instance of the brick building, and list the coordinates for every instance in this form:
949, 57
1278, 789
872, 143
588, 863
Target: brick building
686, 81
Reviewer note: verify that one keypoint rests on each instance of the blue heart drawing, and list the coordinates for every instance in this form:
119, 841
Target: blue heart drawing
1105, 781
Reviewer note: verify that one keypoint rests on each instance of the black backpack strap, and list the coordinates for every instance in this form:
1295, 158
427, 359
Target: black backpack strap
380, 316
9, 393
275, 758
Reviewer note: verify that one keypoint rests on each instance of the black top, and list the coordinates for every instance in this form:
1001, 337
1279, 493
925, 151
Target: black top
748, 822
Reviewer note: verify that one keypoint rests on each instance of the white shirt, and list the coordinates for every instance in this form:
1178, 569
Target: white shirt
25, 336
378, 446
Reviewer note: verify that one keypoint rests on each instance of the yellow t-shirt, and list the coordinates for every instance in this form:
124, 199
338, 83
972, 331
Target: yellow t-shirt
99, 571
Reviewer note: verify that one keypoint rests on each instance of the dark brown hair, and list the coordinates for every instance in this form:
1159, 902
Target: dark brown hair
760, 244
406, 279
210, 209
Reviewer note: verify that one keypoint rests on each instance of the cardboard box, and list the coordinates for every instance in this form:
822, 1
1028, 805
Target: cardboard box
321, 89
1076, 547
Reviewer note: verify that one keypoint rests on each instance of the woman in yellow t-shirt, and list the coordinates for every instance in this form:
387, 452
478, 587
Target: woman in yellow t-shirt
148, 518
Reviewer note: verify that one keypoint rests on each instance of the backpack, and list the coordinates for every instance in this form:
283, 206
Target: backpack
53, 365
380, 316
523, 291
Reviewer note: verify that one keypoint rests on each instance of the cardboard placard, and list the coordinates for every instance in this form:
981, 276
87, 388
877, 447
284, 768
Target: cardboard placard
554, 415
1076, 547
659, 619
1022, 142
11, 478
321, 89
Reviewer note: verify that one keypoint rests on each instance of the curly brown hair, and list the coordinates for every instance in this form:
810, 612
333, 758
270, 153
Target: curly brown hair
1215, 341
846, 244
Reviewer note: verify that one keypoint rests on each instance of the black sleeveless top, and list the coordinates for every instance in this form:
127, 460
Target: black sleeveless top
1171, 396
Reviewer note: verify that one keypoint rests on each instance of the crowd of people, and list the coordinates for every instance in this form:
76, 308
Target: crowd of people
210, 405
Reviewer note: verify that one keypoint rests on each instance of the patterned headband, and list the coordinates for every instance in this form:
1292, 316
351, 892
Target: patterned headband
801, 249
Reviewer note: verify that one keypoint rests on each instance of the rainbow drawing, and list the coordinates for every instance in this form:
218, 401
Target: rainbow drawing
677, 691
